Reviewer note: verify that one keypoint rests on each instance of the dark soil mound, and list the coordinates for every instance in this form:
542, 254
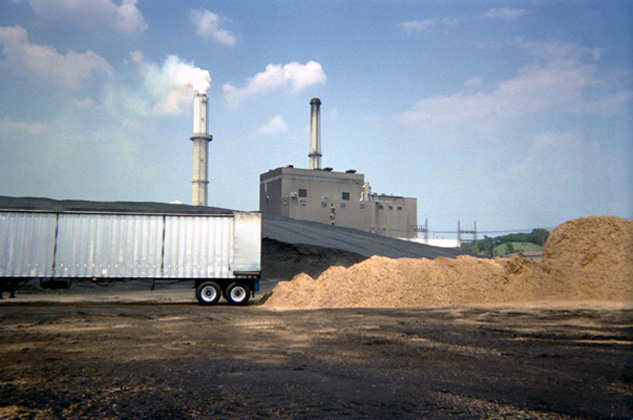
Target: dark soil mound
281, 260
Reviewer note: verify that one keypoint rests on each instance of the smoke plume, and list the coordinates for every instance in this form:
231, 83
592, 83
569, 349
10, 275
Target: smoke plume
171, 84
187, 75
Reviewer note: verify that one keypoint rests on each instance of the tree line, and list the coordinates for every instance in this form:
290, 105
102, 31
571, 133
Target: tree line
488, 244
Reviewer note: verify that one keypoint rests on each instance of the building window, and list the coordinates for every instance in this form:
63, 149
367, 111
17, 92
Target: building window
346, 196
399, 208
380, 207
390, 207
303, 193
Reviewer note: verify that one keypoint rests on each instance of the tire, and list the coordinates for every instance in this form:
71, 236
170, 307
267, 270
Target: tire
208, 293
237, 294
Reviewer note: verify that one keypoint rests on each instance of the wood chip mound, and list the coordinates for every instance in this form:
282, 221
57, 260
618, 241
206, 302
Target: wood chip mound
586, 259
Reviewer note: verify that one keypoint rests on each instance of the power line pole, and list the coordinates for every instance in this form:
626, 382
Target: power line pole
461, 232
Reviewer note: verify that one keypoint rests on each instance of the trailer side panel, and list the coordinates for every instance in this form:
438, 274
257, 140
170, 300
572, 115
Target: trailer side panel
248, 239
106, 245
27, 242
110, 246
198, 247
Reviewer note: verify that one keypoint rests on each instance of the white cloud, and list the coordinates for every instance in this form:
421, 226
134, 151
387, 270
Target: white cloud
293, 75
455, 108
86, 103
552, 154
566, 171
19, 128
276, 125
138, 58
609, 104
44, 63
128, 18
473, 82
549, 51
556, 82
59, 159
208, 26
123, 16
505, 13
418, 25
434, 24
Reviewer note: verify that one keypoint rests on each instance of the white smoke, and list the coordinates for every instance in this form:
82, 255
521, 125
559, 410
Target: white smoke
170, 85
187, 75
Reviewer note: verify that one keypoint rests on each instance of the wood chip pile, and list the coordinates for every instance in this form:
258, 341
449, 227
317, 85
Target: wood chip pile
585, 260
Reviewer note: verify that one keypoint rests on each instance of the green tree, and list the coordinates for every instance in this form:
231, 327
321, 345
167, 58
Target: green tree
538, 236
487, 247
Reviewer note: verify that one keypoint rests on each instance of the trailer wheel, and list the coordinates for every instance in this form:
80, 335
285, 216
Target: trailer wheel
208, 293
238, 294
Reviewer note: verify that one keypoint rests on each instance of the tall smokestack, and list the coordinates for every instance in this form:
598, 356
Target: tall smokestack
201, 139
315, 134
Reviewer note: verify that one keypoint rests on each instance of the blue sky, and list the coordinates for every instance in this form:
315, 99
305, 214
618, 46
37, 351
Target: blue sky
513, 115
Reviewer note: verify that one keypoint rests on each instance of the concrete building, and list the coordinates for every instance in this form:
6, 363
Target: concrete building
337, 198
439, 242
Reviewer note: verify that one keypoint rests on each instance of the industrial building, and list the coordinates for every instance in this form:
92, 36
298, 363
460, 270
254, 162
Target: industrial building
337, 198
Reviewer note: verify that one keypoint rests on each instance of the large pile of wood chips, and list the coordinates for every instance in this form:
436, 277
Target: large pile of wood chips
585, 260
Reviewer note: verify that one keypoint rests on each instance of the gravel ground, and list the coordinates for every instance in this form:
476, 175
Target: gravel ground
125, 352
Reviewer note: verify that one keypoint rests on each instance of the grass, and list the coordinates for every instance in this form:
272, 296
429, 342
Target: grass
503, 249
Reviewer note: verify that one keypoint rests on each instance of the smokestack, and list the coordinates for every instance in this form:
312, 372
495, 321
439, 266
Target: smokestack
315, 134
366, 194
201, 140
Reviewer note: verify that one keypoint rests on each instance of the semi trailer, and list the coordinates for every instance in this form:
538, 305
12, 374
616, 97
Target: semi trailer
61, 242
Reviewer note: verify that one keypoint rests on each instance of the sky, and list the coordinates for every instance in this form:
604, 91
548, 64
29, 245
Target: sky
512, 115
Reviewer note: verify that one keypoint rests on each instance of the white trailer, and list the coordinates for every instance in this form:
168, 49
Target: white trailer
221, 252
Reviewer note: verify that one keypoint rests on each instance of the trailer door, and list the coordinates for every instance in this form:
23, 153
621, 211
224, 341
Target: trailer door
248, 242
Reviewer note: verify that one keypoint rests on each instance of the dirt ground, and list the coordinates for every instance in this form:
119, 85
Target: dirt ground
120, 353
